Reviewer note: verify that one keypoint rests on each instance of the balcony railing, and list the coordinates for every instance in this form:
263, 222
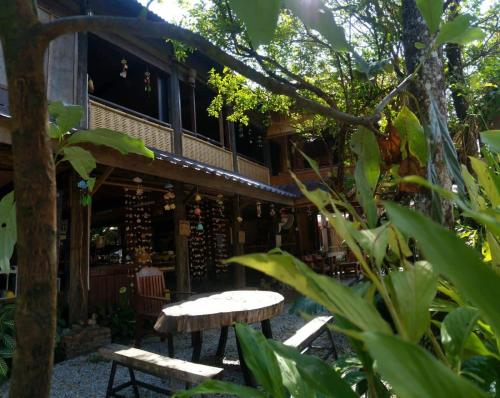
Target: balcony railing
156, 134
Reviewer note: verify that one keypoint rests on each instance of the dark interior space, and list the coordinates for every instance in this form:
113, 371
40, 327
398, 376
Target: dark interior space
250, 141
186, 107
124, 83
276, 158
206, 125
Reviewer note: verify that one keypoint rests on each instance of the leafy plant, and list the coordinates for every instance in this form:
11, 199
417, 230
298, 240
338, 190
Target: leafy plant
119, 317
7, 337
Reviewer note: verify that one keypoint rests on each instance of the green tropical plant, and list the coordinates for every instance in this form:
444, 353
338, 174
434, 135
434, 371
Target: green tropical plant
7, 337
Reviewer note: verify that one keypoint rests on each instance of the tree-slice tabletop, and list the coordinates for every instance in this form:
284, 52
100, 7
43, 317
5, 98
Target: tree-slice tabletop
216, 310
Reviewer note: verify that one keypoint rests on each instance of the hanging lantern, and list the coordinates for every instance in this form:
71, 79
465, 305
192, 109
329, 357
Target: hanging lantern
199, 227
197, 211
197, 197
239, 219
272, 211
259, 209
123, 73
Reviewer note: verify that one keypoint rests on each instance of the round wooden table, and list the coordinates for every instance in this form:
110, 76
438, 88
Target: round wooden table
220, 310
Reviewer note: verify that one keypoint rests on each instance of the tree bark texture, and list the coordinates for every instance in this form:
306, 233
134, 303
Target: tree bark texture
429, 84
35, 194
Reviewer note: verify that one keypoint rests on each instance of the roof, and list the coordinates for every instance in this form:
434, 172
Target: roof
203, 167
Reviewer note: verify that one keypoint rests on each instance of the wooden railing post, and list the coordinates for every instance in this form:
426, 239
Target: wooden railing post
175, 110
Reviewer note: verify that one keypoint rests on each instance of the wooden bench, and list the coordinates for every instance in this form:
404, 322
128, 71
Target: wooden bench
154, 364
307, 334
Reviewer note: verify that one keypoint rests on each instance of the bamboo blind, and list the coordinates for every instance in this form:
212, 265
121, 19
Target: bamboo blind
253, 170
154, 135
204, 152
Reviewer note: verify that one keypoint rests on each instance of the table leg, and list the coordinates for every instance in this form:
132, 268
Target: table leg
247, 374
221, 348
266, 328
197, 339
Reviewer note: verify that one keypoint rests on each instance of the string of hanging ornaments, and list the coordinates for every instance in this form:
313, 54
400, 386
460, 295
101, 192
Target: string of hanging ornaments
138, 233
169, 197
124, 73
197, 240
218, 235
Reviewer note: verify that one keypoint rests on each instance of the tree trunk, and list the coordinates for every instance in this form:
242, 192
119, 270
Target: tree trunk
429, 84
35, 194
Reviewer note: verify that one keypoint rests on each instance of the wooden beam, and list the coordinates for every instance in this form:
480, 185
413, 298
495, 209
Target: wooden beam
239, 270
79, 254
182, 274
175, 110
102, 178
188, 175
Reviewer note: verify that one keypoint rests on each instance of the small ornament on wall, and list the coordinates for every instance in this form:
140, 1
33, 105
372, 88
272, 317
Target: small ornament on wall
147, 82
124, 71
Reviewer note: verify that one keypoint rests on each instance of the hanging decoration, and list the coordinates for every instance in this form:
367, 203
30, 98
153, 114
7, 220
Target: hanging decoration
197, 242
138, 231
147, 82
272, 211
169, 197
85, 198
124, 71
259, 210
240, 130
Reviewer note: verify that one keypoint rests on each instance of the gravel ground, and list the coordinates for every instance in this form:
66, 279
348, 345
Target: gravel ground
87, 376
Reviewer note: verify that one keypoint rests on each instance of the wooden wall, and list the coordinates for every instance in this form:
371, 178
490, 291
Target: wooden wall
60, 65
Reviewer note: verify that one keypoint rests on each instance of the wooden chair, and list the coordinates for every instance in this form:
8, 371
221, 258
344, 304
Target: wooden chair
150, 299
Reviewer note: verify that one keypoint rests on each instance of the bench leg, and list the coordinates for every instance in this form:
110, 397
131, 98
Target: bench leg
197, 339
139, 324
266, 328
170, 345
332, 341
221, 348
134, 382
109, 390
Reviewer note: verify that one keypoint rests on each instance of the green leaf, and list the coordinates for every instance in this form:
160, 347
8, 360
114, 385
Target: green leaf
454, 259
455, 329
414, 289
315, 15
459, 31
8, 341
6, 352
413, 372
333, 295
82, 160
486, 181
259, 16
8, 230
311, 371
492, 139
367, 171
374, 241
123, 143
412, 133
431, 10
221, 387
261, 362
4, 368
66, 117
419, 45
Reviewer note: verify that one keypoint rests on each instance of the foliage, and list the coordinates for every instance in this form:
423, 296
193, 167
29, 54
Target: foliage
119, 317
7, 337
8, 231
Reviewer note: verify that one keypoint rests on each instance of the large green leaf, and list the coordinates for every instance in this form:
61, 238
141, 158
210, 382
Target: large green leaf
455, 330
82, 160
8, 230
367, 171
333, 295
431, 10
123, 143
259, 16
315, 15
261, 362
412, 133
414, 289
4, 368
413, 372
450, 256
492, 139
315, 374
459, 31
486, 181
65, 118
374, 241
210, 387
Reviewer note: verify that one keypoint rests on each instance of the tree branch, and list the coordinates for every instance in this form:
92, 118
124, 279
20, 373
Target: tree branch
147, 29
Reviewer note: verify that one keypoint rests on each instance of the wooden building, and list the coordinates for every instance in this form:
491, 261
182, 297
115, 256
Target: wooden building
207, 194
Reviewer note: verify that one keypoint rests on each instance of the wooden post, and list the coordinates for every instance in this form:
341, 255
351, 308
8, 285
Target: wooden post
175, 110
182, 274
232, 144
79, 255
239, 272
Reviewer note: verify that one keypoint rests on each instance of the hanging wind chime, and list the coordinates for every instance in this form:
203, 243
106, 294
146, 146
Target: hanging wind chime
124, 71
147, 82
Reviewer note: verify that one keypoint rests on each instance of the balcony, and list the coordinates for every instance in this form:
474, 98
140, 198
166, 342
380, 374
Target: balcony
156, 134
